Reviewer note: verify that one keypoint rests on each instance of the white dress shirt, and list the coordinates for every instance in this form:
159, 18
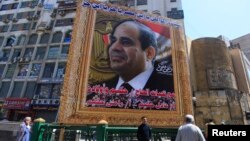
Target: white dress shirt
138, 82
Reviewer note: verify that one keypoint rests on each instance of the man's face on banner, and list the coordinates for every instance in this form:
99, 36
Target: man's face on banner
125, 51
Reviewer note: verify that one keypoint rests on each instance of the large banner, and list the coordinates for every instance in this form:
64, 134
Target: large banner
124, 64
151, 77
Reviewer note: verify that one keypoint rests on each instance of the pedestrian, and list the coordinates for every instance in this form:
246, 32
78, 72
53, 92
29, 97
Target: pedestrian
25, 130
189, 131
210, 122
144, 131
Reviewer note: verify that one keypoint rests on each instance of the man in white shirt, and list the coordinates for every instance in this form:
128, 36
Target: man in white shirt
189, 131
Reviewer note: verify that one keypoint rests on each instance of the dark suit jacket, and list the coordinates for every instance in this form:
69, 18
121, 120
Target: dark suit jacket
161, 78
157, 81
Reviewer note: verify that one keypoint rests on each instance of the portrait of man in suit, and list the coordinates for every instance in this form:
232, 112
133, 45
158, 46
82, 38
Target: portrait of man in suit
142, 80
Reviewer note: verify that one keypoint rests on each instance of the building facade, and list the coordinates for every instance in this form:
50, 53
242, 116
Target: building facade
219, 82
168, 8
34, 41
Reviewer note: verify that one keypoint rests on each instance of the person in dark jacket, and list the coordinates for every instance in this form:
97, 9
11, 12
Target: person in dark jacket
144, 131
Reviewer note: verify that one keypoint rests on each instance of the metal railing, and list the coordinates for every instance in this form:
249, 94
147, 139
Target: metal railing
101, 132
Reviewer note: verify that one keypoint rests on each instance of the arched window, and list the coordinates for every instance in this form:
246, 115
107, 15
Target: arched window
44, 38
32, 39
57, 37
21, 40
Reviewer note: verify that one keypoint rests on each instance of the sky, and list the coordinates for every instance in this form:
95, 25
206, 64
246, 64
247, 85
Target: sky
211, 18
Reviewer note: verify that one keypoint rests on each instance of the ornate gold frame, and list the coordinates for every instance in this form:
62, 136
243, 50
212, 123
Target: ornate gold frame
72, 109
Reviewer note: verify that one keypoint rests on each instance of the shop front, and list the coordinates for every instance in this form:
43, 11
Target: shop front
46, 109
17, 108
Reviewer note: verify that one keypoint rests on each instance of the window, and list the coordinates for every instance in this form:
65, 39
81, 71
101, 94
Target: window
17, 89
1, 41
6, 55
1, 70
25, 26
21, 40
10, 71
49, 90
32, 39
40, 53
28, 53
61, 70
10, 16
23, 69
4, 7
44, 90
7, 16
56, 91
23, 15
14, 5
4, 28
173, 9
9, 6
34, 25
48, 70
53, 52
16, 53
142, 2
15, 27
65, 51
30, 89
4, 89
57, 37
35, 70
25, 4
44, 38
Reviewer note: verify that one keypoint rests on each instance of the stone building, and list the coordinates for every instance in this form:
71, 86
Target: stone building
216, 91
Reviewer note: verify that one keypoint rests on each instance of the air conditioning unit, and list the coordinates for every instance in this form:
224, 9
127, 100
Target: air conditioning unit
6, 20
62, 13
36, 17
29, 18
15, 59
47, 27
21, 60
26, 59
53, 15
14, 20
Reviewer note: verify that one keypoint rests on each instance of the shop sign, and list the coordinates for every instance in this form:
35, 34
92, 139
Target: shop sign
17, 103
